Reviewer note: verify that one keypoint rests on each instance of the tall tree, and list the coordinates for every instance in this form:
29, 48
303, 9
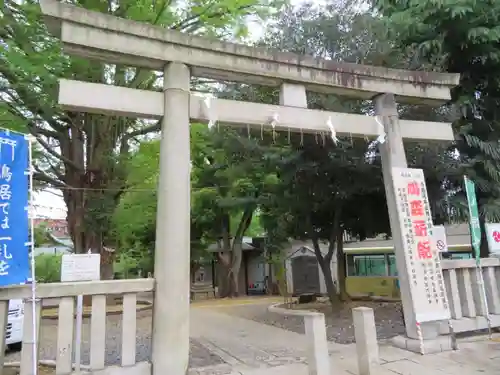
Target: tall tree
321, 191
335, 178
461, 37
238, 173
84, 154
134, 219
231, 176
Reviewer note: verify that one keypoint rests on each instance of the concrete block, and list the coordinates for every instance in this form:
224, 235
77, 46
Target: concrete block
366, 340
317, 345
436, 345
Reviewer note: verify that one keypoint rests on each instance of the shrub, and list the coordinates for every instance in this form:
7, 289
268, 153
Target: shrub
48, 268
132, 262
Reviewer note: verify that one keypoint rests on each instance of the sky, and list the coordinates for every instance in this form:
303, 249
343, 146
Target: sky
50, 204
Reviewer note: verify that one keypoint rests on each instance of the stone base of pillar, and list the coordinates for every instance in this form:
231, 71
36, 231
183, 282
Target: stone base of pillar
435, 345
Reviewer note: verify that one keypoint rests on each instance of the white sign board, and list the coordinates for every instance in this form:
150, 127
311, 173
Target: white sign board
425, 276
80, 267
439, 238
493, 235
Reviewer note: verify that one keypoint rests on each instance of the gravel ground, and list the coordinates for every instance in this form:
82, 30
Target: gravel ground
199, 355
340, 327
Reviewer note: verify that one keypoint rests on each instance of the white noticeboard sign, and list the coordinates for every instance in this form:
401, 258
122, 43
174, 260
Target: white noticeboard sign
422, 260
439, 238
493, 235
80, 267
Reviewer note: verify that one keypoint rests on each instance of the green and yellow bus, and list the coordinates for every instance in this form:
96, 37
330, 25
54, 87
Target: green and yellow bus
371, 266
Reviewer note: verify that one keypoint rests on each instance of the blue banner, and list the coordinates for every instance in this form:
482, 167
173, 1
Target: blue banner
14, 222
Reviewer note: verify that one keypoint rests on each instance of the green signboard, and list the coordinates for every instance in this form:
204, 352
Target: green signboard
475, 227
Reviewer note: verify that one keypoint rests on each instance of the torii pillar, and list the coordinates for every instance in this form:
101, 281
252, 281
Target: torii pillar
393, 155
172, 256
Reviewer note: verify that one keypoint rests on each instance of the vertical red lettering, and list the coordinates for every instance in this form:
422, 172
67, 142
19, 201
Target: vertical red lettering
424, 250
417, 208
413, 188
420, 228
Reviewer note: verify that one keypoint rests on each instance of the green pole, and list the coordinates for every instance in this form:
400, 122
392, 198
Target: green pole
475, 227
475, 232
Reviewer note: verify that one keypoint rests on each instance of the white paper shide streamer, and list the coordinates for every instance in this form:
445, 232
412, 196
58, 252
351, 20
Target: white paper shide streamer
382, 135
274, 122
333, 133
212, 116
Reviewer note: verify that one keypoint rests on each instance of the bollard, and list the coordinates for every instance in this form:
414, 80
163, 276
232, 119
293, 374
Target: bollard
318, 358
366, 340
317, 345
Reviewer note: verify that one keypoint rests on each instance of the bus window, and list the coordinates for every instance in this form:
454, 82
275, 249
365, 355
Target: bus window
456, 255
393, 269
461, 255
366, 265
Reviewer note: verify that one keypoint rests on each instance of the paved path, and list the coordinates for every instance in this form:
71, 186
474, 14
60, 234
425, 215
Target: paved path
340, 326
251, 348
244, 344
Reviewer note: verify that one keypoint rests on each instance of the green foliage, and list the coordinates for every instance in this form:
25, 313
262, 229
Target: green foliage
230, 175
87, 155
48, 268
320, 177
133, 262
42, 236
135, 216
461, 37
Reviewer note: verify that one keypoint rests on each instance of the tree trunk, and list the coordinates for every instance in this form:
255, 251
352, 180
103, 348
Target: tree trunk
280, 276
223, 261
234, 271
231, 255
330, 285
325, 265
237, 250
341, 267
325, 261
223, 284
107, 271
234, 284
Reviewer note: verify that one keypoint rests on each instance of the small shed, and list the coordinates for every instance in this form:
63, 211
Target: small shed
253, 272
303, 272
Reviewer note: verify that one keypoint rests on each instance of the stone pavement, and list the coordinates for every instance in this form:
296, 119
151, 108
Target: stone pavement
251, 348
244, 343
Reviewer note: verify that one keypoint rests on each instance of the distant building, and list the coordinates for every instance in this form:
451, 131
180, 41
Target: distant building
57, 227
60, 241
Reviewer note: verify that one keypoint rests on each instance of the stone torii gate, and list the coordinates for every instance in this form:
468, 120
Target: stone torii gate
113, 40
